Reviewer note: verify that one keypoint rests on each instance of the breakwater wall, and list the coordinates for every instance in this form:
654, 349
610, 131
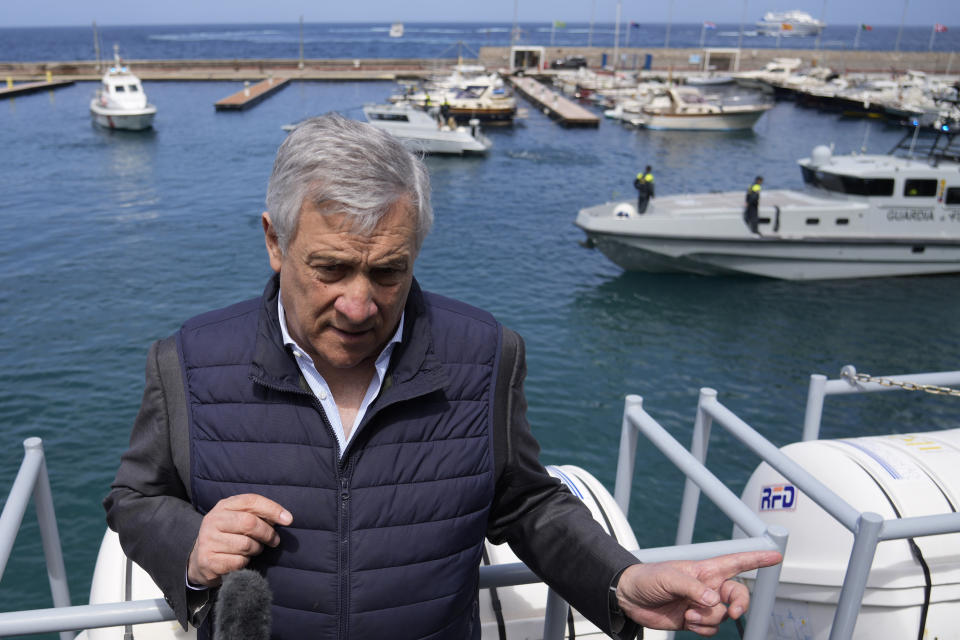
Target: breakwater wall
659, 60
692, 59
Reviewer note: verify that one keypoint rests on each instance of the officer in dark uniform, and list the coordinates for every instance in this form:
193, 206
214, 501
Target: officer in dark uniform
643, 183
750, 214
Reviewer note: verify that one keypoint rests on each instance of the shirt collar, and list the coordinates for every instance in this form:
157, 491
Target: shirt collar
382, 360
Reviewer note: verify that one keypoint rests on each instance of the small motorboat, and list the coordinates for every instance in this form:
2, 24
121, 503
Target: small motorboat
120, 102
427, 131
687, 108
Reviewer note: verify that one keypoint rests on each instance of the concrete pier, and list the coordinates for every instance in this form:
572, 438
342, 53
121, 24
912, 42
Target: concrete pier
249, 96
554, 105
31, 87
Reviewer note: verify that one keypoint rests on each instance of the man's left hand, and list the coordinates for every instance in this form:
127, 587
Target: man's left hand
696, 596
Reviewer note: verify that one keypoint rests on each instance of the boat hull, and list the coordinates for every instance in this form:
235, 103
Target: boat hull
780, 260
442, 146
128, 120
716, 241
700, 122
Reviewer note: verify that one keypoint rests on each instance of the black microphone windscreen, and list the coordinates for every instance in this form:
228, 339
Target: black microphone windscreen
242, 611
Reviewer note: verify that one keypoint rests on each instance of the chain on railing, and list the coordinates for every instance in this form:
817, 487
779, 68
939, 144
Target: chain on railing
906, 385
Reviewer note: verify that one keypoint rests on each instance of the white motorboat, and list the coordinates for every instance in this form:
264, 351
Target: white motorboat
686, 108
466, 94
790, 23
120, 102
396, 30
774, 73
860, 216
427, 132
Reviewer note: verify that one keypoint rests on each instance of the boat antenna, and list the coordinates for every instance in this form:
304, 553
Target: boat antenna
866, 136
300, 64
916, 133
96, 45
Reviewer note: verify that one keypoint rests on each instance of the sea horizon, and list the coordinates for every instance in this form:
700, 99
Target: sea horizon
436, 39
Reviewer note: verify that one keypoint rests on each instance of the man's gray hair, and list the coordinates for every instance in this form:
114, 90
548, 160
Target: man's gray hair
345, 166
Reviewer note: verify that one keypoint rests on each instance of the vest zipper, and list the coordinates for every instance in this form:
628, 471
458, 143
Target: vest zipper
343, 555
343, 511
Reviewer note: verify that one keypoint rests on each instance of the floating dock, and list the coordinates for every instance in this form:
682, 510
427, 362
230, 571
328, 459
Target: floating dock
31, 87
566, 112
249, 96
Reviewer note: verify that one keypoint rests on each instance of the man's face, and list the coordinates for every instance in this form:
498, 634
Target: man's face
343, 293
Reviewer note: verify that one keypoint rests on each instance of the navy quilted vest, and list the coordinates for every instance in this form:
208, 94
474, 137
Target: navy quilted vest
388, 541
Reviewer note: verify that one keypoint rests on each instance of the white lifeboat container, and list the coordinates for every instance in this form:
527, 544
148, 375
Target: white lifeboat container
895, 476
520, 610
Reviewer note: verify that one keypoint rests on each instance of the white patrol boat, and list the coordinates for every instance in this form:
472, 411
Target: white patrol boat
120, 102
860, 216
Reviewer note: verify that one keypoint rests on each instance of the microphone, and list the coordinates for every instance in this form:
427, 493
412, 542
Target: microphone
242, 611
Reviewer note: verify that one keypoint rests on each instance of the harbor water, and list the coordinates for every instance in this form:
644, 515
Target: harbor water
112, 239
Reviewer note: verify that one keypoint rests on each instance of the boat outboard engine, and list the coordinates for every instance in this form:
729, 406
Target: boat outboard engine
913, 590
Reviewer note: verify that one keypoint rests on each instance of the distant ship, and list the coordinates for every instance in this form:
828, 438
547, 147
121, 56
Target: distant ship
396, 30
790, 23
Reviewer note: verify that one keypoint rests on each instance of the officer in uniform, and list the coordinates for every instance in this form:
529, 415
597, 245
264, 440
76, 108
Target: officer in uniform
750, 214
644, 186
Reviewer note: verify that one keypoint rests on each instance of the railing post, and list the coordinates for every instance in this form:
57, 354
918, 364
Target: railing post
765, 590
627, 455
698, 448
49, 534
814, 412
858, 570
555, 616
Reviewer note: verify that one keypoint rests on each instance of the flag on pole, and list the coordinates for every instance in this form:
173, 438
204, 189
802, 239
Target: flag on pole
940, 28
709, 25
866, 27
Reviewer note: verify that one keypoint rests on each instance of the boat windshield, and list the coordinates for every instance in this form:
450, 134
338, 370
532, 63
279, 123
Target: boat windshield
393, 117
848, 184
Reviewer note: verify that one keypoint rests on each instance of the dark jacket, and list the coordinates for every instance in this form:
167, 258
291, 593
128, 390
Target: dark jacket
150, 505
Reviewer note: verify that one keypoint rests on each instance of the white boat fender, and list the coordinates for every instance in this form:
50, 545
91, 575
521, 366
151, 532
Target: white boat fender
508, 613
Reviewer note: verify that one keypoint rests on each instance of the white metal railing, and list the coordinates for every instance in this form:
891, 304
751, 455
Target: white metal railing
32, 480
868, 528
64, 618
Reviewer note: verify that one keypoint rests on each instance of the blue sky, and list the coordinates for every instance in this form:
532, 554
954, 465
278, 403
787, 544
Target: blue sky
73, 12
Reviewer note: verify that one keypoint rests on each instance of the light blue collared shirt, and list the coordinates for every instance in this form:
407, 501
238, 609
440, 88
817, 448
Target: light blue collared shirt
321, 389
